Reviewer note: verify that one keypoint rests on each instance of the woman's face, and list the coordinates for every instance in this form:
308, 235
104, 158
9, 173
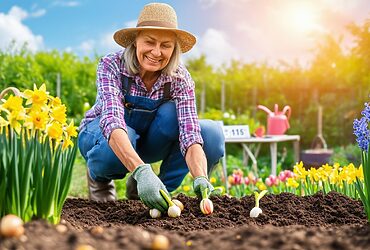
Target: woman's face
154, 49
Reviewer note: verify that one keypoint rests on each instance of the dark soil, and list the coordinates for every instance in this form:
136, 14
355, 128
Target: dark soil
330, 221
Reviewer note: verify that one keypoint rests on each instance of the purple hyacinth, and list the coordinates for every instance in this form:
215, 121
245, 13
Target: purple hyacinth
361, 128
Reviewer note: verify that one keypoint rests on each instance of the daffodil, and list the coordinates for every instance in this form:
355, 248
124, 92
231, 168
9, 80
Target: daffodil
291, 182
36, 97
14, 103
300, 171
37, 120
14, 119
67, 142
71, 130
55, 130
58, 113
55, 101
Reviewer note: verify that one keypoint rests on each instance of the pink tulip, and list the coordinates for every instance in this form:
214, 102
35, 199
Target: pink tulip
272, 181
247, 181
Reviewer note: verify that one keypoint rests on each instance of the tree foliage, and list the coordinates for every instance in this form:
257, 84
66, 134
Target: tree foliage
337, 80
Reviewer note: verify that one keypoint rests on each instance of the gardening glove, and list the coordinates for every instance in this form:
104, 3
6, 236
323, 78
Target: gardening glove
200, 183
148, 186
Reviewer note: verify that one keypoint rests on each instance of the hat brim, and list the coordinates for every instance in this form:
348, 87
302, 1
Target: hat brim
125, 37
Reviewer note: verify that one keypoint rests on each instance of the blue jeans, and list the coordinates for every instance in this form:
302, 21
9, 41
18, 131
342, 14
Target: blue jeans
160, 142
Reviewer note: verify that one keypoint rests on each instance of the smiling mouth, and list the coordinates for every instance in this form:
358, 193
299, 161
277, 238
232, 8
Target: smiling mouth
152, 60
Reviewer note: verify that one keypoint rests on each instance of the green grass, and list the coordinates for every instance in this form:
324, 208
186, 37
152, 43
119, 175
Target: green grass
78, 187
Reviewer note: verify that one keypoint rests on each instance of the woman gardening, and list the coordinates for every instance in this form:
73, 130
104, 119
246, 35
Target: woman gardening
145, 112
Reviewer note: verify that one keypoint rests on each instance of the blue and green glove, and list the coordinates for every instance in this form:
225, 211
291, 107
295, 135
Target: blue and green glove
148, 186
200, 184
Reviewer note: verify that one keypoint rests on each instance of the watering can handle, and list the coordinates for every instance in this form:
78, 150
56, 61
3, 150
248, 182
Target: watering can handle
287, 109
264, 109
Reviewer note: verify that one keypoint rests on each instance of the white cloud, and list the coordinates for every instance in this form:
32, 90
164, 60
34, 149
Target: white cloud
18, 13
107, 44
12, 28
87, 47
38, 13
131, 24
67, 3
215, 46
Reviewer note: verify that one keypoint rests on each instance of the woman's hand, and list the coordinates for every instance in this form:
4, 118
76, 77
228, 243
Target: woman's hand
200, 184
148, 186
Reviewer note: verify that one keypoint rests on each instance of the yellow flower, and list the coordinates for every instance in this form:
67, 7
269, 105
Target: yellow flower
14, 103
55, 101
360, 173
314, 174
212, 180
59, 113
261, 186
292, 183
37, 119
334, 177
300, 171
36, 97
71, 130
14, 117
66, 143
55, 130
186, 188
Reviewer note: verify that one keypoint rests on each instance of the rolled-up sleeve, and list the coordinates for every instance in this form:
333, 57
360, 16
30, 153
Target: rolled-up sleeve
110, 96
187, 112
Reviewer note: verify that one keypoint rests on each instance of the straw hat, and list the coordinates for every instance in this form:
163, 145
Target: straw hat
159, 16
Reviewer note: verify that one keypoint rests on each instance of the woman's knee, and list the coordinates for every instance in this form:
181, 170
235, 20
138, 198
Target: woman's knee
166, 120
103, 162
214, 140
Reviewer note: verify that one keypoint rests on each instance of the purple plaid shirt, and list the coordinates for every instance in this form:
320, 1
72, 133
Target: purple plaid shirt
109, 106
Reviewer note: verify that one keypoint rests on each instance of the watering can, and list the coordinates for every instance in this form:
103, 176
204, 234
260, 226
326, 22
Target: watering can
277, 121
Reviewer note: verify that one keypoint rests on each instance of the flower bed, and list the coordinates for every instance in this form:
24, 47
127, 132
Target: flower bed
331, 221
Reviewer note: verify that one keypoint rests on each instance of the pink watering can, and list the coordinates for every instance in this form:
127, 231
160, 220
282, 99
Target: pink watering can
277, 121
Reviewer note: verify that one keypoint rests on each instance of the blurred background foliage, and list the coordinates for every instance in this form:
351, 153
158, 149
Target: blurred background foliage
338, 80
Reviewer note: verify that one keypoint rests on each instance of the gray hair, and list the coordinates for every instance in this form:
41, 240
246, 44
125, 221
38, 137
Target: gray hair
132, 64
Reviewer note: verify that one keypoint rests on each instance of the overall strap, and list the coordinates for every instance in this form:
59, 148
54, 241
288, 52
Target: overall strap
126, 81
126, 84
167, 91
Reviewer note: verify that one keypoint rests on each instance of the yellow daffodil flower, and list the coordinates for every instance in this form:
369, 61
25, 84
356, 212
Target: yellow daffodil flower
55, 130
37, 120
14, 103
291, 182
71, 130
58, 113
67, 143
36, 97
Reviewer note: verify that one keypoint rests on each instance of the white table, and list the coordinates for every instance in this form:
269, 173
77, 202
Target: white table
273, 140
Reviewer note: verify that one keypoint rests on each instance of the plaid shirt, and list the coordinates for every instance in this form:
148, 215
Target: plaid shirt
110, 109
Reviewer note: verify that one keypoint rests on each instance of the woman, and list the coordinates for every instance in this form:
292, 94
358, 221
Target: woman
145, 112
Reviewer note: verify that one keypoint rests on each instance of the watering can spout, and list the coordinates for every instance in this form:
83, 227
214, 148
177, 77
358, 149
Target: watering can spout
277, 121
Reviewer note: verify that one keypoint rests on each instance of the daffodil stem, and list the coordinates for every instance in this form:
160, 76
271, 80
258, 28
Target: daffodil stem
166, 197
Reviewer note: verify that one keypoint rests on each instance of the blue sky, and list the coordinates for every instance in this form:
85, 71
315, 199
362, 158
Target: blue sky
248, 30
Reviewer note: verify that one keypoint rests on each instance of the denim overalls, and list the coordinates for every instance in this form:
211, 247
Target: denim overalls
153, 130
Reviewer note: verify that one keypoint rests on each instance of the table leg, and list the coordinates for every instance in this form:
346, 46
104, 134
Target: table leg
296, 151
249, 152
273, 151
224, 168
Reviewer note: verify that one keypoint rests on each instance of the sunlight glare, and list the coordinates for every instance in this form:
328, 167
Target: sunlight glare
302, 17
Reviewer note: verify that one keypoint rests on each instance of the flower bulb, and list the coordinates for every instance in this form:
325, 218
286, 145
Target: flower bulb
155, 213
255, 212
